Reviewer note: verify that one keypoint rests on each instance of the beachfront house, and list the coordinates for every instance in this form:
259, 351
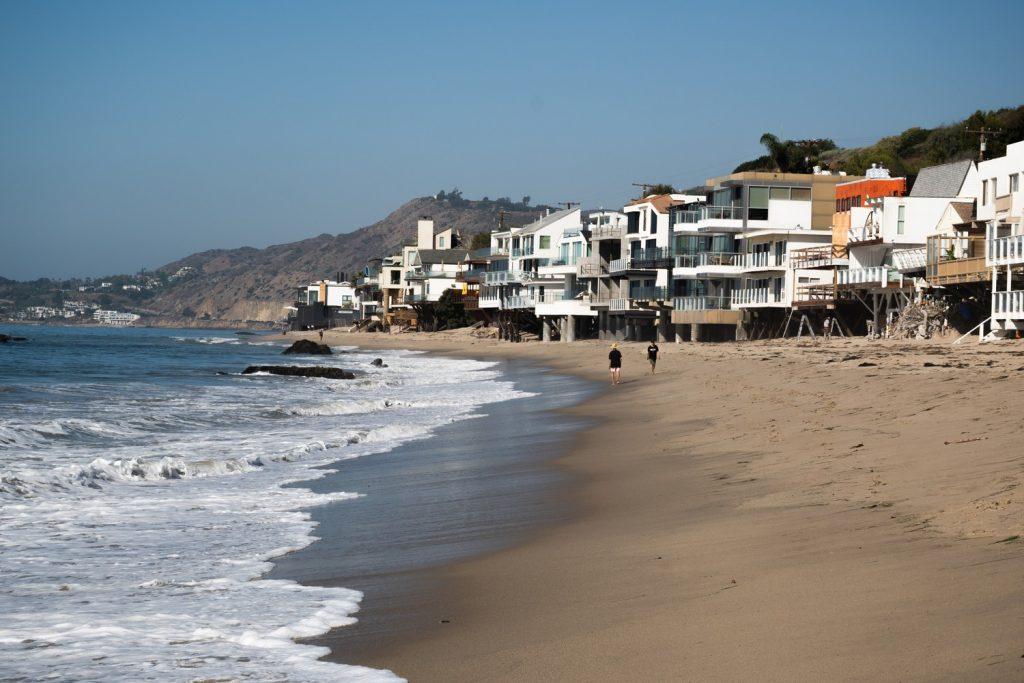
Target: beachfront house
561, 299
887, 238
1001, 208
737, 273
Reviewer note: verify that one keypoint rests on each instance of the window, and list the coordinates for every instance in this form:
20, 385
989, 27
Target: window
1015, 182
778, 193
995, 190
654, 222
901, 219
545, 241
757, 200
802, 194
633, 222
984, 192
440, 242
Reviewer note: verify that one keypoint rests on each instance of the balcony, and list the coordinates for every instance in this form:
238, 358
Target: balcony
504, 277
489, 301
1004, 251
709, 258
865, 234
701, 303
1008, 304
825, 256
756, 296
523, 252
649, 294
520, 301
607, 232
709, 217
764, 261
591, 266
643, 260
956, 259
471, 275
618, 304
881, 276
815, 296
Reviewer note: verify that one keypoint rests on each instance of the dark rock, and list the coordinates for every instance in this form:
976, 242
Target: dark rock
4, 338
378, 362
310, 347
301, 371
866, 364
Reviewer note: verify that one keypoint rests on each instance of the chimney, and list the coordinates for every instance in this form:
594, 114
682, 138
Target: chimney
425, 233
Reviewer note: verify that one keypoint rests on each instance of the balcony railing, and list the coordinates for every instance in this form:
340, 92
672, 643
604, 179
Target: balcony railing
764, 260
644, 259
756, 295
815, 294
649, 294
607, 232
1008, 304
489, 301
706, 213
618, 304
711, 258
591, 266
819, 257
520, 301
701, 303
1007, 250
865, 233
503, 277
522, 252
875, 275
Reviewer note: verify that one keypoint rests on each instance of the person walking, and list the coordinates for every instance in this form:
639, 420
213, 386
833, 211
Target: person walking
615, 364
827, 325
652, 355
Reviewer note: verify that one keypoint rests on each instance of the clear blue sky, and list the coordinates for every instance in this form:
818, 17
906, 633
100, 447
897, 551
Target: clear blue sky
134, 133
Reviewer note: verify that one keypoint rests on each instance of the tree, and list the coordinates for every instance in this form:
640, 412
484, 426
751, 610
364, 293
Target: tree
778, 151
449, 313
526, 200
481, 240
661, 188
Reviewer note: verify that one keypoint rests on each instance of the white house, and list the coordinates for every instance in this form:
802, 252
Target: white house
1001, 207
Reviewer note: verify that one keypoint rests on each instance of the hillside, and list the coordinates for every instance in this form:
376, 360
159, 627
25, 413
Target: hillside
254, 284
904, 154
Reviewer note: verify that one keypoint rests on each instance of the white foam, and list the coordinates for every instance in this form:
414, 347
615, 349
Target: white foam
132, 537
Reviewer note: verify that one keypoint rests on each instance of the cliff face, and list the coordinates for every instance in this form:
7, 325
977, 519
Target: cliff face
248, 284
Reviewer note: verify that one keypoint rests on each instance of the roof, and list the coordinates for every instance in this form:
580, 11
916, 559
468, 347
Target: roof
964, 210
448, 256
944, 180
661, 202
545, 221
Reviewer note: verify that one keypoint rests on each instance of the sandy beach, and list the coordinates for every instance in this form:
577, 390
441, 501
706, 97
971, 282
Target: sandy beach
774, 510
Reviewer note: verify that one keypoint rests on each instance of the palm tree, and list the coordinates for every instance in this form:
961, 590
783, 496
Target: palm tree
778, 151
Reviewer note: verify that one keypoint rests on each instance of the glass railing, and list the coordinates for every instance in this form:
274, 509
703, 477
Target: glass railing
758, 295
649, 293
764, 260
705, 213
714, 258
700, 302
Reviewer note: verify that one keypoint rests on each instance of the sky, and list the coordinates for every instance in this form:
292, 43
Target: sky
136, 133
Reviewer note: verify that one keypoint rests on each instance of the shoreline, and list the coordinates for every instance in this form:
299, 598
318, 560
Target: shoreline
799, 510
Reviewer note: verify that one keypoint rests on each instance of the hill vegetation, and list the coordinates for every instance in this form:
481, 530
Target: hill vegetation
904, 154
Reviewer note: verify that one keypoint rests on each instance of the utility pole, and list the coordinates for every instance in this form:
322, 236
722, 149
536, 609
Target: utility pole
569, 205
982, 134
501, 219
644, 187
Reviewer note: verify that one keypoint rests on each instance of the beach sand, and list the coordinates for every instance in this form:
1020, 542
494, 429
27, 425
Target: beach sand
775, 510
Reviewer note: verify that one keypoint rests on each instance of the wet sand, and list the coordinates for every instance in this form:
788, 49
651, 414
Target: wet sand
766, 510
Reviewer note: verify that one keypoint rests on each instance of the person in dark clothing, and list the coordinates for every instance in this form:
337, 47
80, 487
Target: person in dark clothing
652, 355
615, 364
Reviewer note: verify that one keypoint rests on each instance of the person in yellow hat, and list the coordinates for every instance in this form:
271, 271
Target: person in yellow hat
615, 364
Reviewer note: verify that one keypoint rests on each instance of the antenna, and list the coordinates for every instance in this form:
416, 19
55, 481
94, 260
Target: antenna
982, 134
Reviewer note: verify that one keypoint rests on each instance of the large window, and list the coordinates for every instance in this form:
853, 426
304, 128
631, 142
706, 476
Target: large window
984, 192
1015, 182
757, 204
545, 241
901, 219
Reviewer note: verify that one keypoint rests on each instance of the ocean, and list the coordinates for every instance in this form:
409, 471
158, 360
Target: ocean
144, 496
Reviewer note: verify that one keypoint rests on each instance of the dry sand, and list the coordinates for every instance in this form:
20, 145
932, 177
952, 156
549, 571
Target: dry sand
758, 511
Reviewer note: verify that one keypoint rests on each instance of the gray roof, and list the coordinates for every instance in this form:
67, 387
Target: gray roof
545, 221
447, 256
944, 180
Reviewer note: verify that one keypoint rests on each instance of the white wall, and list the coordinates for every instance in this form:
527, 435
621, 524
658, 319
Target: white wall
1001, 169
787, 214
921, 218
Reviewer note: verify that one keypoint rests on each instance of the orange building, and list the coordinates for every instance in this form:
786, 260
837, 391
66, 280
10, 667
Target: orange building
862, 194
